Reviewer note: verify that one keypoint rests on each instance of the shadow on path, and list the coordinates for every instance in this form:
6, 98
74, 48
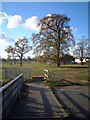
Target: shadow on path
75, 103
38, 102
86, 96
76, 100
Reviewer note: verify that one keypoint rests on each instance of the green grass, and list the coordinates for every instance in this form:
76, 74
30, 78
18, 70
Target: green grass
61, 83
73, 73
83, 75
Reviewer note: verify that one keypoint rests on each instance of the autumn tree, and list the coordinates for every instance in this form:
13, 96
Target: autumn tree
81, 49
21, 48
40, 59
54, 36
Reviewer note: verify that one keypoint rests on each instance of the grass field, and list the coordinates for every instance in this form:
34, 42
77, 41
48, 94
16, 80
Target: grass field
74, 73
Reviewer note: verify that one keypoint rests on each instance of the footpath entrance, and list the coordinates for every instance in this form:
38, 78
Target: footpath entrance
38, 102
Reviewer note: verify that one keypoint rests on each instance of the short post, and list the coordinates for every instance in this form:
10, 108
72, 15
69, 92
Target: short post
46, 75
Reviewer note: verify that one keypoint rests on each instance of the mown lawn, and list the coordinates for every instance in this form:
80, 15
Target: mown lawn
74, 73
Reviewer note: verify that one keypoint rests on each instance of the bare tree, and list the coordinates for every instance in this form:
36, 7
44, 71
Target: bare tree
54, 35
20, 49
81, 49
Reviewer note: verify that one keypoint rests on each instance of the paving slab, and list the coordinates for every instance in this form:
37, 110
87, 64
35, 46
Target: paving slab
38, 102
75, 99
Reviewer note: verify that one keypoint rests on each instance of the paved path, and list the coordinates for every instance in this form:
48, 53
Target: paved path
39, 102
76, 99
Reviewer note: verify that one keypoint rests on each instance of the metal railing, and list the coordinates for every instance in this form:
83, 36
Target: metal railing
9, 93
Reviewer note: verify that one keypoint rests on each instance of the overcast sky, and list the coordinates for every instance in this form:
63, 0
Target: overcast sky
19, 19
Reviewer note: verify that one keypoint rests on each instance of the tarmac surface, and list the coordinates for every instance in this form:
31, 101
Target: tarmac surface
38, 102
76, 99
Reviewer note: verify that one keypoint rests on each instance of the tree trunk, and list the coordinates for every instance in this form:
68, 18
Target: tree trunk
58, 63
58, 49
82, 62
81, 59
58, 58
21, 61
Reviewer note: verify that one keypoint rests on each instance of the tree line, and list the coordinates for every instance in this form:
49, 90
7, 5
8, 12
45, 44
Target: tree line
53, 41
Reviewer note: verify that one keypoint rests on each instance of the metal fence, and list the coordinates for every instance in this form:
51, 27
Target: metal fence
9, 73
9, 93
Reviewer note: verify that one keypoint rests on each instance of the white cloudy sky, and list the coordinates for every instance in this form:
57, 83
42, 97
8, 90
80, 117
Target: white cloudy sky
13, 22
20, 19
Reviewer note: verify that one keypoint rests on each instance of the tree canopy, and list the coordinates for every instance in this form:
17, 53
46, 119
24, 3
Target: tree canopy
54, 36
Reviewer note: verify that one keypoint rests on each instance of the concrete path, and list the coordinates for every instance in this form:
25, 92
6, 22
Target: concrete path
39, 102
76, 100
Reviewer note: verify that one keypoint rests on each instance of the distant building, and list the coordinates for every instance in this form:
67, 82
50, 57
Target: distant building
78, 60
